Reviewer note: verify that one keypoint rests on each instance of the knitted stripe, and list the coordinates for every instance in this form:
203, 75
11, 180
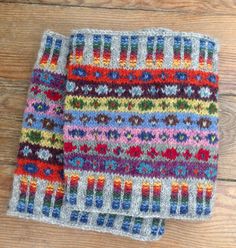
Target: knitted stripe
141, 127
38, 186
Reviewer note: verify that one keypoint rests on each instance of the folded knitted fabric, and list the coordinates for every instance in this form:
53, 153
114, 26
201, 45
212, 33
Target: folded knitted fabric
38, 186
141, 123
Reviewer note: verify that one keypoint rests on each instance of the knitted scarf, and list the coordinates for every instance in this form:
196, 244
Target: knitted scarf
139, 127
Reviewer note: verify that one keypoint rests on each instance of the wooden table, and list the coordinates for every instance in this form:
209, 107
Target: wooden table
21, 25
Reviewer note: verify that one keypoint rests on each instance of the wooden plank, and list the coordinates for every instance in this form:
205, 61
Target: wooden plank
196, 6
20, 39
218, 232
227, 132
12, 104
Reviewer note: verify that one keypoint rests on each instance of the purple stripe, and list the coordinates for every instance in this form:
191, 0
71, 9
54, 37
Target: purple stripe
34, 150
141, 168
146, 90
52, 80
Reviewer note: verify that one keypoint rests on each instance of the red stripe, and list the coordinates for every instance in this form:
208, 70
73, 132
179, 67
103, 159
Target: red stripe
137, 74
41, 167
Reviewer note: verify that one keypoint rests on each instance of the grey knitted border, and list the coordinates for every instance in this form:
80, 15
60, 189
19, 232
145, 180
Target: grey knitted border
64, 221
64, 51
142, 46
88, 227
136, 198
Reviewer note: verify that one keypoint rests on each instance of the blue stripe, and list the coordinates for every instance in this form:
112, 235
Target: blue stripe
145, 117
38, 123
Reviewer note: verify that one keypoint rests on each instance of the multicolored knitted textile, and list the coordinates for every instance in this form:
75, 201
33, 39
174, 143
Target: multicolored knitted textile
141, 123
38, 187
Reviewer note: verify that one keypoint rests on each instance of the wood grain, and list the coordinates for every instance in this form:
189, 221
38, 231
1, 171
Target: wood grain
194, 6
219, 232
22, 24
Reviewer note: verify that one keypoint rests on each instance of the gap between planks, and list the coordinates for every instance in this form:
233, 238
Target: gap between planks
197, 7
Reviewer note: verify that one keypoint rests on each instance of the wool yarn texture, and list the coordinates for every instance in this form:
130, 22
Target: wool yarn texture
39, 184
120, 131
141, 123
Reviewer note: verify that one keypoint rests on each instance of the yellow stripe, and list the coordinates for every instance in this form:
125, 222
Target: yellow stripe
42, 138
138, 105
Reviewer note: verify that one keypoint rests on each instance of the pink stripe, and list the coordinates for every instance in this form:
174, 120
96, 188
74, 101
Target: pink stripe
51, 111
135, 139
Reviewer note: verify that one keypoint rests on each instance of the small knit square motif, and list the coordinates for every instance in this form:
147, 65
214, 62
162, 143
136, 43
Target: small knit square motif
141, 123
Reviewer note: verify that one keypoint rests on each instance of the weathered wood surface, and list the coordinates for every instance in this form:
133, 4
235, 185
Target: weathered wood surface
22, 24
194, 6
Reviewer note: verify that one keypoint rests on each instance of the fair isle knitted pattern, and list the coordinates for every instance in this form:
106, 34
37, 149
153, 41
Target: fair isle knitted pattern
141, 123
38, 186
